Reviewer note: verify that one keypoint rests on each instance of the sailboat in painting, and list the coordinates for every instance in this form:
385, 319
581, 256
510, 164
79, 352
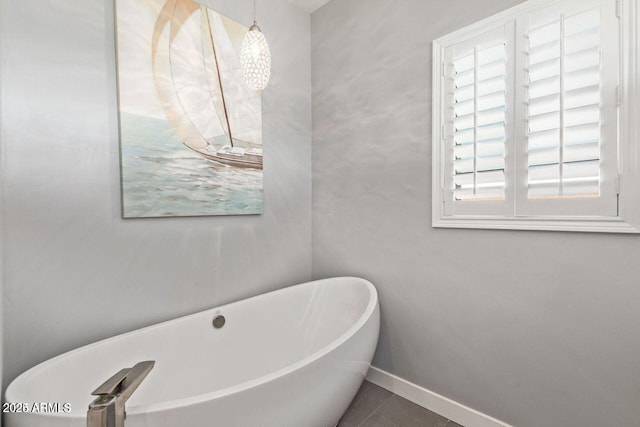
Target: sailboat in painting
206, 101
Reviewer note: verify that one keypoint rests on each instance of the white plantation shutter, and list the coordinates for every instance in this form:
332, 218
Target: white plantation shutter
570, 166
528, 115
564, 107
476, 123
479, 124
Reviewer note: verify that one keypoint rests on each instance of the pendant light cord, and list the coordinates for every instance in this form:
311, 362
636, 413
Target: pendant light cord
254, 11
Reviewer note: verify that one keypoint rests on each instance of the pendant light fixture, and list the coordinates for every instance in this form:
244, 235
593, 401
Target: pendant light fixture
255, 58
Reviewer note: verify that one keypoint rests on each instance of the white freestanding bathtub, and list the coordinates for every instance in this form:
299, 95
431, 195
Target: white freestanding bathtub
294, 357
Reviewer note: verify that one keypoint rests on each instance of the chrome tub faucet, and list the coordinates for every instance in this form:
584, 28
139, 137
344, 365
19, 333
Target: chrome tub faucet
108, 410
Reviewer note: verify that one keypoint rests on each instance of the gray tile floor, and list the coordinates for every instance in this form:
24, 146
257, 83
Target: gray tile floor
374, 406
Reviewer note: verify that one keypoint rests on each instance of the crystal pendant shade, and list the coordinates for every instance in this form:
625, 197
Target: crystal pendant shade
255, 59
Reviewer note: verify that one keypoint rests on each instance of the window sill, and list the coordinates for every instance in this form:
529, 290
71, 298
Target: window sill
595, 225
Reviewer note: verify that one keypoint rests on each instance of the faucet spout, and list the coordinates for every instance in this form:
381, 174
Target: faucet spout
108, 409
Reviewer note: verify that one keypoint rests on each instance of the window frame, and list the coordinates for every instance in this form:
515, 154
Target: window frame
627, 181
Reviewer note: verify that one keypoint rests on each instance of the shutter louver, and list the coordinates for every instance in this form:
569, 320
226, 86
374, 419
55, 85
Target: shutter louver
479, 104
564, 102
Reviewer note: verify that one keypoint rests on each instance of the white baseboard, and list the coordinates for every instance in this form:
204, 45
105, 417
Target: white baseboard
439, 404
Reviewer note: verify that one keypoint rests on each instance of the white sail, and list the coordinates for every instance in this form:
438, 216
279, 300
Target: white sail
244, 105
190, 78
210, 64
170, 20
204, 100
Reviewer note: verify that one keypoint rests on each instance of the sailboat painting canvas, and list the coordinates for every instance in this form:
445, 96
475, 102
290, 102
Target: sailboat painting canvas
190, 128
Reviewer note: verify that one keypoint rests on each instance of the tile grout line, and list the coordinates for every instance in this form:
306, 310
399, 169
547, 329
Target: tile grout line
393, 422
377, 409
365, 420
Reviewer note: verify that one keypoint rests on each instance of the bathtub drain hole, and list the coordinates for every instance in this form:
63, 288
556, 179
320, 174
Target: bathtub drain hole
218, 321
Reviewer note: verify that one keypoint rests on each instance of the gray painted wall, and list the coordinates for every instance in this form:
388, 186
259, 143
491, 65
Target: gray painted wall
537, 328
75, 271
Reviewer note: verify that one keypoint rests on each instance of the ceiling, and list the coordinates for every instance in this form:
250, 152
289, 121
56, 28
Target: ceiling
310, 5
